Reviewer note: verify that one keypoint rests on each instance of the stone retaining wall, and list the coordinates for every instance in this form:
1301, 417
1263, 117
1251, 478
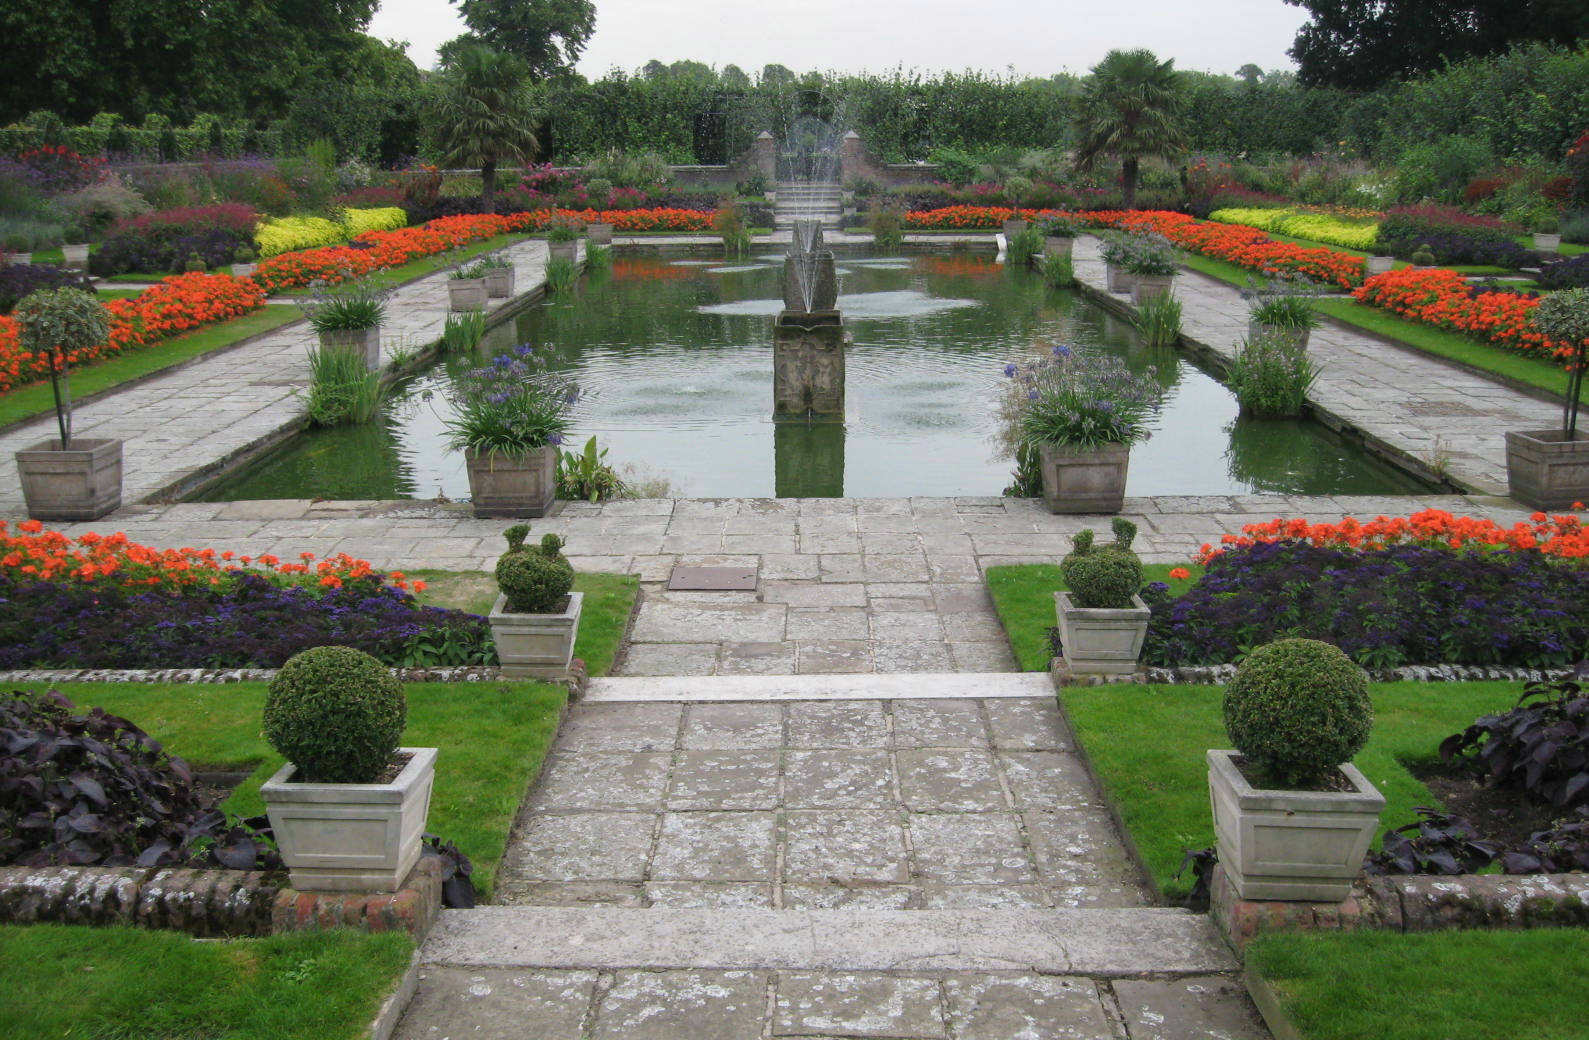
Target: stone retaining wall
576, 679
212, 903
1220, 674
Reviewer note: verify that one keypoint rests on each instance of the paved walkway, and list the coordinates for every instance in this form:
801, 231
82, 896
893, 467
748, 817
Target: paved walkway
1404, 400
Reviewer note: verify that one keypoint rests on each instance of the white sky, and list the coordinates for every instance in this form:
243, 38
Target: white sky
1030, 37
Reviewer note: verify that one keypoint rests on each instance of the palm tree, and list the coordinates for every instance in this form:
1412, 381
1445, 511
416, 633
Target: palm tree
484, 114
1130, 108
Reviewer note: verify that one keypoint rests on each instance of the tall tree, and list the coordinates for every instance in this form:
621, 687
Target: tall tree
484, 114
546, 35
1130, 108
1363, 43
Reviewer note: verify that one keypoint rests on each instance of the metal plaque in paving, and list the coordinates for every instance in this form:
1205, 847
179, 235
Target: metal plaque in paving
713, 579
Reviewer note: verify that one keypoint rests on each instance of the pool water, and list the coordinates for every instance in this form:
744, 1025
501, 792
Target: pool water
673, 358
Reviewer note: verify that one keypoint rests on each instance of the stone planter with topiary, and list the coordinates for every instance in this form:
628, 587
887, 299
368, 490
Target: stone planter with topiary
1293, 817
1547, 234
1102, 619
536, 616
1549, 469
349, 807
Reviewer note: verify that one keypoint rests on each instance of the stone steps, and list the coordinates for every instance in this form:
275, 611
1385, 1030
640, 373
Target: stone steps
1101, 943
839, 687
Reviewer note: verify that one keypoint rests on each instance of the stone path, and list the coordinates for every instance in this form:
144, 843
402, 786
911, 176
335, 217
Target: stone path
733, 865
192, 419
1406, 401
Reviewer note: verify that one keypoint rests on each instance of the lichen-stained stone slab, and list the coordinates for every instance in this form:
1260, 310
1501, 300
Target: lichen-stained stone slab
1048, 780
837, 724
841, 847
602, 781
1027, 1007
673, 1005
497, 1002
732, 727
724, 780
939, 723
1026, 724
970, 848
694, 622
715, 846
841, 779
1201, 1008
592, 846
859, 1004
620, 727
949, 780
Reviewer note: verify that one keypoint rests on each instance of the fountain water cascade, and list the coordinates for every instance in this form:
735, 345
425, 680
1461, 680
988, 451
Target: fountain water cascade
809, 338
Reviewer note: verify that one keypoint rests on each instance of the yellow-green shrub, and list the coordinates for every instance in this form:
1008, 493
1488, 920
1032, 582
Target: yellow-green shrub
1315, 227
287, 234
1263, 219
385, 218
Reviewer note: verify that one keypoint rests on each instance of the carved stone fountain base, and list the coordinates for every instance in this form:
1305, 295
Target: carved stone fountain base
808, 365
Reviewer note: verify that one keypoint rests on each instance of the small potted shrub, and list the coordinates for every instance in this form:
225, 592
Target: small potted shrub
18, 248
562, 237
509, 417
243, 265
1284, 315
69, 478
1059, 235
74, 254
1150, 261
349, 320
1102, 619
1423, 256
349, 807
536, 615
499, 276
466, 288
1292, 816
1547, 233
1549, 469
1082, 411
597, 232
1115, 252
195, 264
1014, 189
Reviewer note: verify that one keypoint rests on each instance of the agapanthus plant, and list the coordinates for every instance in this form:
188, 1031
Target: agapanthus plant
1079, 399
511, 406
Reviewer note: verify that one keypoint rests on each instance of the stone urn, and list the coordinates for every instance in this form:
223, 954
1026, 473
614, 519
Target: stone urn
1546, 471
512, 485
75, 255
1145, 287
1303, 845
499, 282
1117, 279
1101, 640
81, 483
1056, 245
366, 343
351, 837
599, 234
535, 646
1084, 480
16, 259
467, 294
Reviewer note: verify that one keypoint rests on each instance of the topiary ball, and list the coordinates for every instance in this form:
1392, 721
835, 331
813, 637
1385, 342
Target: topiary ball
1103, 576
1298, 708
336, 713
533, 581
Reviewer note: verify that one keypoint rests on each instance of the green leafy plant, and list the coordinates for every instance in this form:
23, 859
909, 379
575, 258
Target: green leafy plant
1058, 270
57, 323
345, 310
561, 274
1159, 319
242, 255
1079, 399
586, 475
1297, 709
887, 225
1271, 375
1103, 576
729, 222
598, 258
1564, 316
1150, 255
342, 389
512, 406
534, 580
467, 271
336, 713
195, 264
1060, 227
462, 331
1540, 746
1546, 224
1283, 306
564, 229
1024, 246
1422, 256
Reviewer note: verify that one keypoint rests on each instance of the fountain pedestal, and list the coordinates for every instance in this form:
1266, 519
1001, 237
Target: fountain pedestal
808, 365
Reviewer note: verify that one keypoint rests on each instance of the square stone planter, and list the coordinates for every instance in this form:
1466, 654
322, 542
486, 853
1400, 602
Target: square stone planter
535, 646
1305, 845
366, 343
599, 234
1013, 228
1547, 243
1100, 640
75, 256
1091, 480
1378, 264
563, 250
1297, 338
244, 270
512, 485
499, 282
351, 837
1145, 287
466, 294
81, 484
1116, 279
1054, 245
1545, 472
14, 259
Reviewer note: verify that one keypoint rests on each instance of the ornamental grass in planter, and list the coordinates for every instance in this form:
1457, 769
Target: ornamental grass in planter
562, 237
349, 807
1115, 252
536, 616
66, 478
509, 417
499, 273
466, 289
1102, 620
1293, 817
1150, 260
1059, 235
1081, 411
1549, 469
1282, 309
349, 320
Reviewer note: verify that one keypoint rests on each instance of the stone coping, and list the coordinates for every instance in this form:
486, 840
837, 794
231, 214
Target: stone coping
576, 678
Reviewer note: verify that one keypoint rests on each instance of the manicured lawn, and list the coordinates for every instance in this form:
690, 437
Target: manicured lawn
28, 401
1451, 345
131, 984
1472, 985
1567, 248
1024, 597
1147, 743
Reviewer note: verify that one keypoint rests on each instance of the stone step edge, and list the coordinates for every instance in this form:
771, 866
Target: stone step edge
821, 687
1101, 943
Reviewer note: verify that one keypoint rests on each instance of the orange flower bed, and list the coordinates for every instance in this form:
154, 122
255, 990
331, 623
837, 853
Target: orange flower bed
1564, 536
179, 304
33, 553
1441, 298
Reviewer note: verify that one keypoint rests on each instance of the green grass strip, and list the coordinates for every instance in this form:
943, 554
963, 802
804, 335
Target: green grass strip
1566, 248
123, 983
1147, 743
1479, 985
1451, 345
1023, 595
36, 399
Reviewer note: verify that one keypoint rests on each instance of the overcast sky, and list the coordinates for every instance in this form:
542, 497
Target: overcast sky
1030, 37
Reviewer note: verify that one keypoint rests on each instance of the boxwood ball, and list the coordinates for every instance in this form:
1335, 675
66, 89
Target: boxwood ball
336, 713
1298, 708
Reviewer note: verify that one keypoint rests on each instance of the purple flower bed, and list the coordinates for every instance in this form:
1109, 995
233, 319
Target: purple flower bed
18, 280
1452, 248
249, 623
1572, 273
1385, 608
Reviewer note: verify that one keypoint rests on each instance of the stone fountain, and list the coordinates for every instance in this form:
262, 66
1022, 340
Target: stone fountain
809, 337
